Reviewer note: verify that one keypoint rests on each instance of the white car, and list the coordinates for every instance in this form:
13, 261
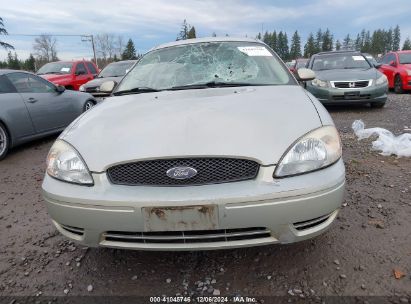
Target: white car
205, 144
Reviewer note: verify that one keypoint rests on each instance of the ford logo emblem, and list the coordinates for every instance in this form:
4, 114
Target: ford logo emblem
181, 172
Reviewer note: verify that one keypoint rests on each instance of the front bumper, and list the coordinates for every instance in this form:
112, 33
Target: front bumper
274, 211
373, 93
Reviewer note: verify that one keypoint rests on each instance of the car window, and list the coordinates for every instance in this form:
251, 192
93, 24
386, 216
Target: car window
26, 83
405, 58
340, 61
198, 63
6, 86
91, 68
56, 68
116, 69
389, 58
81, 68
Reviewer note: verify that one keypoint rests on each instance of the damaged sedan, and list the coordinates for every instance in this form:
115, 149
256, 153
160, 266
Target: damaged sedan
205, 144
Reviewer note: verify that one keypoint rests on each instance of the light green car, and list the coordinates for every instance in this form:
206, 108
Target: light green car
347, 77
206, 144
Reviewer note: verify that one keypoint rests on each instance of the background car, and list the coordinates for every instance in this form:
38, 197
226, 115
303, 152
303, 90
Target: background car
32, 107
298, 64
70, 74
346, 77
115, 71
397, 67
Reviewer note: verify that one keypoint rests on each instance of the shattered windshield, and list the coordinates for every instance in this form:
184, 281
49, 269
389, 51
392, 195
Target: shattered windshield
200, 63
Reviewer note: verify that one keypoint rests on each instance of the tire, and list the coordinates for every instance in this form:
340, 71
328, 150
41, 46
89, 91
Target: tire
4, 141
398, 89
88, 105
377, 105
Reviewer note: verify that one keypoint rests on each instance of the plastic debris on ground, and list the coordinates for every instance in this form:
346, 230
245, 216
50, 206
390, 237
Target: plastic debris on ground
387, 143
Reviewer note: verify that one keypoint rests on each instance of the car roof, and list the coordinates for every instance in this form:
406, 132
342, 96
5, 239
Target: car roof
206, 39
338, 52
401, 52
8, 71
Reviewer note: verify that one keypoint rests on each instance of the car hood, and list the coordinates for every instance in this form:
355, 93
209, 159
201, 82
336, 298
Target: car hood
56, 77
347, 74
96, 82
258, 123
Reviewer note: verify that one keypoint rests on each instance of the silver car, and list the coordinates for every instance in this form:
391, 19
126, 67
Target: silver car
206, 144
32, 107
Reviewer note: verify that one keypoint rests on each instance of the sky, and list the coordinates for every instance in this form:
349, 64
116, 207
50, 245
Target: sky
152, 22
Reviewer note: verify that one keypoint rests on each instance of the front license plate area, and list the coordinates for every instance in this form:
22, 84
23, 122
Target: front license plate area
351, 95
181, 218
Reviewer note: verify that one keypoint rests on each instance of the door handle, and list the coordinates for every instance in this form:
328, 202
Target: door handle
31, 100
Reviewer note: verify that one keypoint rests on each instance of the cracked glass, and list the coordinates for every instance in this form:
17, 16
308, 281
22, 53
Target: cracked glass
201, 63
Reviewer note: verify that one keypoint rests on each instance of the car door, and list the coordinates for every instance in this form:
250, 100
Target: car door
388, 69
49, 110
81, 75
92, 69
13, 111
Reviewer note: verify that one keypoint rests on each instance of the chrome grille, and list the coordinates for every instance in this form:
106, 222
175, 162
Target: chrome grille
209, 171
184, 237
351, 84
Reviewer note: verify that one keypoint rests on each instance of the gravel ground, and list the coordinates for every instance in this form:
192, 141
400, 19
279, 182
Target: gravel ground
369, 243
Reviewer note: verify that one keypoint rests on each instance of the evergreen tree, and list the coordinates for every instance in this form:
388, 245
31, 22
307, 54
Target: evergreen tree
282, 46
347, 42
215, 35
191, 33
396, 39
266, 38
129, 52
258, 36
4, 32
378, 42
310, 47
295, 50
318, 41
366, 46
30, 64
388, 40
185, 28
13, 62
337, 45
327, 41
274, 41
407, 44
358, 43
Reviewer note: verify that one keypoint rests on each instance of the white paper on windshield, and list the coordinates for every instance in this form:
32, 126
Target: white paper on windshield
65, 69
358, 58
254, 50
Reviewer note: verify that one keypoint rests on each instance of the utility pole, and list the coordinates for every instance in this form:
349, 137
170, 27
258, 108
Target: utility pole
91, 38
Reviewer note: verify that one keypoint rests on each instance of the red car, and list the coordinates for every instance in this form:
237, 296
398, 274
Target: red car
69, 74
397, 67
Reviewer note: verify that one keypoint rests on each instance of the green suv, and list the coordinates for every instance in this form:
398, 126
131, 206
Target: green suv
347, 77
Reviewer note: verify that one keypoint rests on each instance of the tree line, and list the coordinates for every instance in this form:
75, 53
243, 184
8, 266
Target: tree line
376, 43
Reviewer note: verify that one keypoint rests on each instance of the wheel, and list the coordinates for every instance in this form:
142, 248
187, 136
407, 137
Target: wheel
88, 105
398, 85
377, 104
4, 141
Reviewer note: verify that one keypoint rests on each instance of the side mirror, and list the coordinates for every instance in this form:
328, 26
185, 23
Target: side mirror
60, 89
393, 63
108, 86
377, 65
304, 74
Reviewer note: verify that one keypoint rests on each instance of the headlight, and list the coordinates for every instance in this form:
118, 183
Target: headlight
317, 149
81, 88
381, 80
409, 72
65, 163
319, 83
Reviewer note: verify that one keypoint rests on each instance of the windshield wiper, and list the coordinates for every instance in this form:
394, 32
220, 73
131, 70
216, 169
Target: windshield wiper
136, 90
213, 84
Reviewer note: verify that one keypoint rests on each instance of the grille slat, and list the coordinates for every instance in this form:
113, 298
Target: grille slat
203, 236
351, 84
209, 171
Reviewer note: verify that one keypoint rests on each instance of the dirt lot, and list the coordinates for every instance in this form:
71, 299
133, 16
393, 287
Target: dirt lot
357, 257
